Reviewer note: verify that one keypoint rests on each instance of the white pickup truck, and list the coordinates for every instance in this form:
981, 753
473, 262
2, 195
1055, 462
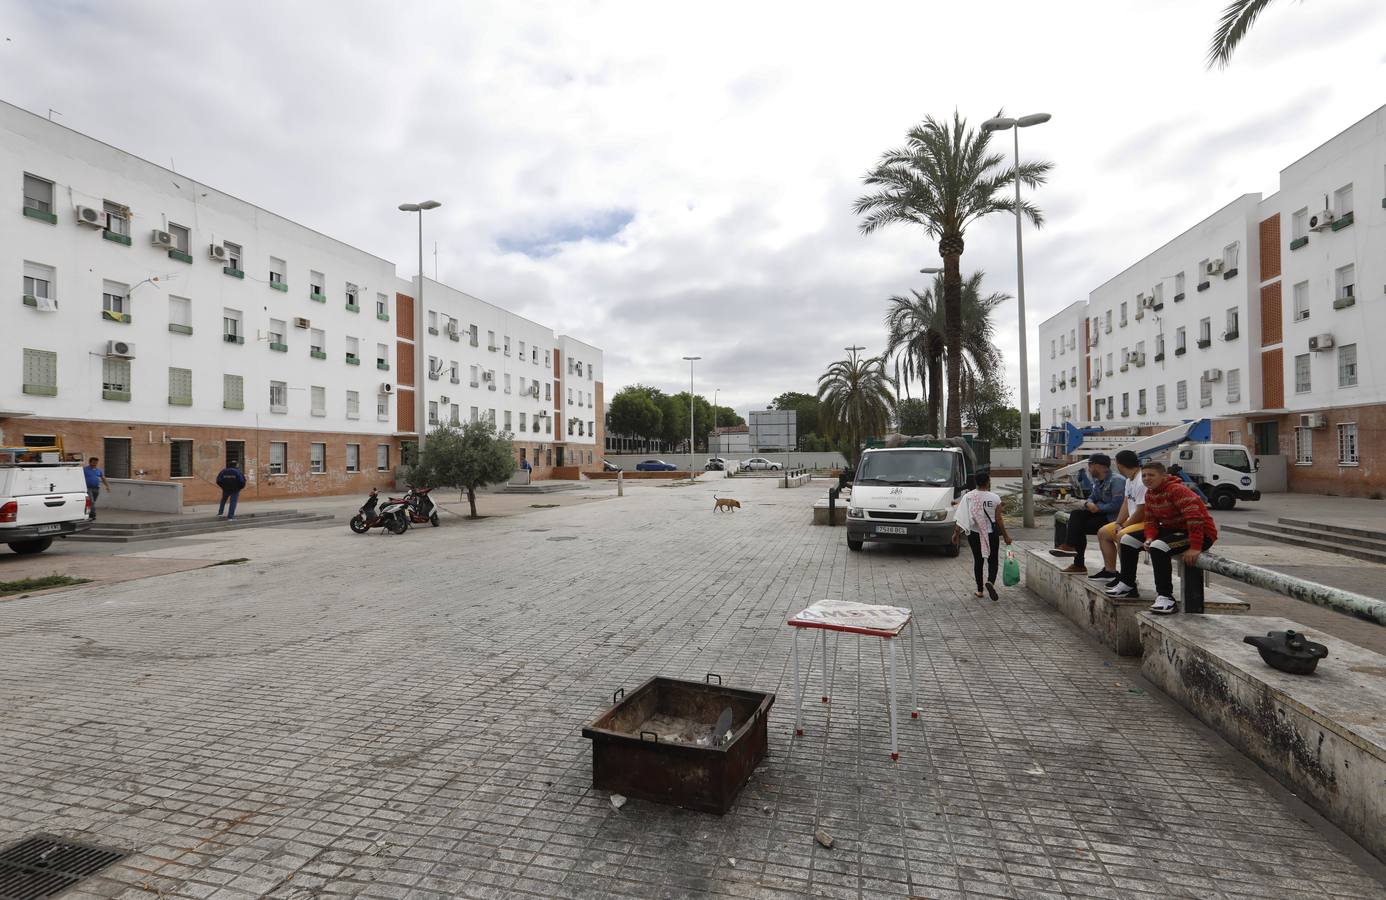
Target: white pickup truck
41, 501
906, 495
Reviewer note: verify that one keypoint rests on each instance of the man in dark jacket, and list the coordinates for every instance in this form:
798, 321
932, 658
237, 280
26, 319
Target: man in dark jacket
1108, 491
230, 480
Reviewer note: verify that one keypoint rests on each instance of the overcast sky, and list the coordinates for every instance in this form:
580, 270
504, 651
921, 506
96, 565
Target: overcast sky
667, 179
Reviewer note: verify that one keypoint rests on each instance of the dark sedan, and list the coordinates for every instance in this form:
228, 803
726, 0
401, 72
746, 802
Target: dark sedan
655, 465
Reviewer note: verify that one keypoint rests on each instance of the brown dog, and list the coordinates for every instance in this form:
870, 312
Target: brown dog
724, 503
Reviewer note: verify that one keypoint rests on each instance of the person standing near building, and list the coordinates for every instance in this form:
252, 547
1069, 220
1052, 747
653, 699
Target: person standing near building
979, 517
96, 477
231, 481
1104, 499
1175, 520
1129, 518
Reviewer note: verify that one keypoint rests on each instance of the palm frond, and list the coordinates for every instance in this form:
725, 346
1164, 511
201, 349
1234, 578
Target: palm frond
1233, 25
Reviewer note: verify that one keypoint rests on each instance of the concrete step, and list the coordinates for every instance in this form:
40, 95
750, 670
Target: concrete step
538, 487
203, 527
1327, 544
1350, 530
1313, 530
104, 527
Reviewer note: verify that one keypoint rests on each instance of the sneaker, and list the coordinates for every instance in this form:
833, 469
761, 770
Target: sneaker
1062, 550
991, 591
1114, 582
1163, 606
1075, 569
1122, 590
1103, 575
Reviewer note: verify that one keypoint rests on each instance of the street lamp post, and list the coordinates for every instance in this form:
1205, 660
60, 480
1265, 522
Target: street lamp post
420, 425
1026, 479
716, 392
691, 360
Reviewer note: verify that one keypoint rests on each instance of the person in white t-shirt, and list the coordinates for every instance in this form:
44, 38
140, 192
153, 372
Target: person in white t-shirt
979, 517
1130, 518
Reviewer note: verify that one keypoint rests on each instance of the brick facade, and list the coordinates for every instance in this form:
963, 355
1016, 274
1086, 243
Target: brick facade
1272, 331
150, 452
1273, 378
1324, 475
1270, 247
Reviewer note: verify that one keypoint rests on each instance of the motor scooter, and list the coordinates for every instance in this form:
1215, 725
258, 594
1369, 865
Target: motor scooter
393, 515
421, 507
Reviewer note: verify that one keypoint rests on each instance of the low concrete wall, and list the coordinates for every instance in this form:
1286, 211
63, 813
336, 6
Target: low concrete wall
793, 481
611, 476
819, 461
1110, 620
149, 496
1323, 735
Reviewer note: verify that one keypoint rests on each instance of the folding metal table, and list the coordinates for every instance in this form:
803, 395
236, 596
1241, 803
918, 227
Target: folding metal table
865, 620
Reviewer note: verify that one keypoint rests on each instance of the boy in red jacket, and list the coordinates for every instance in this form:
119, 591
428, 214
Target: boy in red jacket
1175, 520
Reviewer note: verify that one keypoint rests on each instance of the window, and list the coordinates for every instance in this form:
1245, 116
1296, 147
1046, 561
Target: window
276, 271
353, 404
233, 255
1123, 314
382, 356
472, 336
476, 414
1304, 446
38, 193
351, 292
1302, 384
435, 368
279, 456
115, 298
115, 375
1299, 224
522, 422
278, 397
522, 349
353, 457
1097, 406
1343, 291
454, 414
1342, 201
317, 398
232, 392
1140, 402
180, 454
473, 375
548, 390
1229, 257
1053, 382
433, 412
276, 331
507, 345
317, 458
1347, 444
1159, 398
1180, 340
117, 218
41, 372
1160, 294
1233, 320
1108, 367
182, 237
1301, 293
535, 355
317, 341
1205, 332
38, 285
1179, 283
1159, 346
1107, 322
317, 285
1347, 365
570, 396
231, 325
382, 457
589, 378
432, 321
1111, 407
1234, 385
382, 407
455, 372
1202, 272
1053, 348
1181, 395
546, 359
592, 430
353, 349
1125, 404
1205, 392
179, 387
509, 426
180, 314
507, 382
382, 305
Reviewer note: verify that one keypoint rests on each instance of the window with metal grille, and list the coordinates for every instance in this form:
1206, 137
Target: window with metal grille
1347, 365
180, 459
317, 458
454, 414
40, 371
179, 386
1304, 446
1347, 444
233, 391
1159, 398
1181, 395
1234, 385
382, 407
353, 404
432, 412
1205, 392
279, 457
278, 397
382, 457
115, 374
318, 400
1302, 382
38, 193
353, 457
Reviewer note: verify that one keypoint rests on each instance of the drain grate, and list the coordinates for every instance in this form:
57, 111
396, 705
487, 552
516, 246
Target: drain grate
45, 866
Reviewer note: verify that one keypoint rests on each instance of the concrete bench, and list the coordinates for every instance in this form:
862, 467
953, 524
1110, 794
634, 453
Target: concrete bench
820, 511
1084, 602
1323, 735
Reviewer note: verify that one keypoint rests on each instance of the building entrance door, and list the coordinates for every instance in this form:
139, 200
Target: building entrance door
115, 457
559, 457
1267, 437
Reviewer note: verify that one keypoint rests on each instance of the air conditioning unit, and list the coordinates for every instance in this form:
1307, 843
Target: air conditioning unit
1321, 220
300, 322
1138, 359
444, 398
1212, 374
487, 376
122, 349
534, 392
217, 252
161, 239
387, 388
1321, 342
88, 216
1313, 420
1212, 267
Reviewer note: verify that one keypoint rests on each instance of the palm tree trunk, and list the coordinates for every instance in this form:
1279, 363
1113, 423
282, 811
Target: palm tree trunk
935, 392
951, 249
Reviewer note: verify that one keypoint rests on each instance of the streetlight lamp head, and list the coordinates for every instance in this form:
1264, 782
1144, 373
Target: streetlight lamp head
1001, 123
692, 358
931, 270
434, 204
1036, 119
409, 207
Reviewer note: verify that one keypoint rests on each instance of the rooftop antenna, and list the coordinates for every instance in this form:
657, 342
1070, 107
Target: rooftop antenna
52, 112
435, 260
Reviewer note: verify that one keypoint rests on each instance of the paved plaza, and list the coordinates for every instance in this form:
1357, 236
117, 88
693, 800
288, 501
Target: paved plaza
380, 716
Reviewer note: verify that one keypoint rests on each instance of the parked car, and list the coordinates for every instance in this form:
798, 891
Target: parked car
41, 501
715, 464
760, 462
609, 466
655, 465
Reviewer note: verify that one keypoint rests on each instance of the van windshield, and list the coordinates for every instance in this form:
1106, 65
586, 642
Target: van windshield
932, 467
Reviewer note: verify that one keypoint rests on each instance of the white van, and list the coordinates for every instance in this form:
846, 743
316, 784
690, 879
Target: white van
906, 495
41, 501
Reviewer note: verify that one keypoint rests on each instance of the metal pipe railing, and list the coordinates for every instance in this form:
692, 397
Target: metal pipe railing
1359, 606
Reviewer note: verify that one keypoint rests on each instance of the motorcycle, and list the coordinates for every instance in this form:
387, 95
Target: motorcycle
393, 515
421, 507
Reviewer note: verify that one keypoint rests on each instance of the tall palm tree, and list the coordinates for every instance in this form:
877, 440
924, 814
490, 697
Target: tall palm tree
856, 401
915, 329
1235, 22
943, 179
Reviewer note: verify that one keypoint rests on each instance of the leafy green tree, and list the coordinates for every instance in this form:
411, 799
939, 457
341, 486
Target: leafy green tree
465, 458
943, 179
856, 401
807, 407
673, 426
633, 412
912, 417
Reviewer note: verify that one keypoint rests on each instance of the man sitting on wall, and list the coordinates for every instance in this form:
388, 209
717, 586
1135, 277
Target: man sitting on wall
1129, 518
1175, 520
1104, 499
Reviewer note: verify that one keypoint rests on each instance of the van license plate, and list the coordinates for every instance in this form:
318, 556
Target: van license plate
45, 529
892, 529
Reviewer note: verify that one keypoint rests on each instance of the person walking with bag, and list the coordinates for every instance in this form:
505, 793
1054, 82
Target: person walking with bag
231, 481
979, 517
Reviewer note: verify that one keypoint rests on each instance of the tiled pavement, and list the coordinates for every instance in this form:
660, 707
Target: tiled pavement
399, 717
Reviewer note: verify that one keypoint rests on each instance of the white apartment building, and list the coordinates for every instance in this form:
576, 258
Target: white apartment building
580, 407
170, 329
1063, 341
1260, 318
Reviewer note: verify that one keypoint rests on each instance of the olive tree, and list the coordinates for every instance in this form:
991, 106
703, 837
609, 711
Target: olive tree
465, 457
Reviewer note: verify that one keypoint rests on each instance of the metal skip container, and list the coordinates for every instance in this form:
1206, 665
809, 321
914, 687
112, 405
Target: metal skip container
685, 743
